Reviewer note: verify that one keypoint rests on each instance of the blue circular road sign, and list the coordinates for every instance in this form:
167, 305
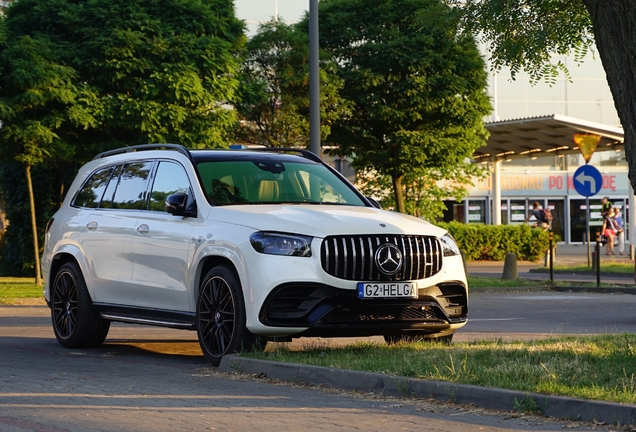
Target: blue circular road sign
587, 180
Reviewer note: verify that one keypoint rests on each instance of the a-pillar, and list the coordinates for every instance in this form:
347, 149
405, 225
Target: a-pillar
496, 192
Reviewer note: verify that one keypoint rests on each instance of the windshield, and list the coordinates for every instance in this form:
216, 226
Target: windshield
270, 181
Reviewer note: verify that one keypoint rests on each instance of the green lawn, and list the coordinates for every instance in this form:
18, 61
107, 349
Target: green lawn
605, 267
498, 284
12, 288
590, 367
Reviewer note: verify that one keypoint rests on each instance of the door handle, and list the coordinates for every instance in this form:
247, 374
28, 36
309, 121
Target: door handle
143, 229
91, 226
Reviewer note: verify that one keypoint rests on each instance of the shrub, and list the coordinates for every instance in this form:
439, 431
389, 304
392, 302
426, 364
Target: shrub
493, 242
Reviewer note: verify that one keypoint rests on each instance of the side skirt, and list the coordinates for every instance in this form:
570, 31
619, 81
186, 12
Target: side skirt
144, 316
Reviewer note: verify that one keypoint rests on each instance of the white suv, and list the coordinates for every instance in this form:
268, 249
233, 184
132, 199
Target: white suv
242, 246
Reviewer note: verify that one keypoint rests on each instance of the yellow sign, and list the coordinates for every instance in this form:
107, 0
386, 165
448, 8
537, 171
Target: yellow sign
587, 144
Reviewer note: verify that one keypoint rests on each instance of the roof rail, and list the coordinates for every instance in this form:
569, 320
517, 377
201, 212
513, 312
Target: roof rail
177, 147
306, 153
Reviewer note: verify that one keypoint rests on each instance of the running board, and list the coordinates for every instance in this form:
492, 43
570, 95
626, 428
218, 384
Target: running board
147, 321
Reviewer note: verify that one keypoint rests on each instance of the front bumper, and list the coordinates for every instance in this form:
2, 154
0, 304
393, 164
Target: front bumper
328, 312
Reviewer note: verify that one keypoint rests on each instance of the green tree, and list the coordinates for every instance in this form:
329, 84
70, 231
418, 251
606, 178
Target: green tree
424, 190
274, 92
524, 34
418, 88
79, 77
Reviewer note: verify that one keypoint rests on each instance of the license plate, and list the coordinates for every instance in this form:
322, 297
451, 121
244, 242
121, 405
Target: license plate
387, 290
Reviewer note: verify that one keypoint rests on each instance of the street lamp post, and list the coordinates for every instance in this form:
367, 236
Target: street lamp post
314, 80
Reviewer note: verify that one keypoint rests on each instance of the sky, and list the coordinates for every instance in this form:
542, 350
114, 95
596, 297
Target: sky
255, 11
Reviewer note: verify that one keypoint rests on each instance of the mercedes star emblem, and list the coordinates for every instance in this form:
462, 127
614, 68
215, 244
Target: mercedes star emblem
388, 258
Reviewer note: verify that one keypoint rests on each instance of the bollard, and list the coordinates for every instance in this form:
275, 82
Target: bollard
510, 267
598, 258
552, 250
631, 252
547, 256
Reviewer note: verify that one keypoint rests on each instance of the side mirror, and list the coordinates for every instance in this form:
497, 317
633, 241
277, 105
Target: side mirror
374, 203
177, 205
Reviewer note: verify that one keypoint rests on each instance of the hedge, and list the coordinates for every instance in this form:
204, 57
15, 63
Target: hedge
493, 242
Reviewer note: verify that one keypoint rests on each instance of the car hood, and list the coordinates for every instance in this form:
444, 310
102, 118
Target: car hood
323, 220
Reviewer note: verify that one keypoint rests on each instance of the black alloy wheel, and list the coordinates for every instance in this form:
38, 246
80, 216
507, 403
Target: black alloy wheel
221, 317
64, 305
75, 323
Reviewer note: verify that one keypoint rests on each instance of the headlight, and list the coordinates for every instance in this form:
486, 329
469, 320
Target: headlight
449, 246
281, 244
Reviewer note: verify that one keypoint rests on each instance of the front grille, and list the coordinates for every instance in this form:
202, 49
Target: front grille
353, 257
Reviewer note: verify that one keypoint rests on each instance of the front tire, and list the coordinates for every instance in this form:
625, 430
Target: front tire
75, 323
221, 317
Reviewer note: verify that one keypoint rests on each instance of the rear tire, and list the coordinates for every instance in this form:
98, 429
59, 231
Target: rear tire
417, 337
221, 317
75, 324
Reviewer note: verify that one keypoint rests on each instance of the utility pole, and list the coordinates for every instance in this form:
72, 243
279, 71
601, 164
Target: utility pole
314, 80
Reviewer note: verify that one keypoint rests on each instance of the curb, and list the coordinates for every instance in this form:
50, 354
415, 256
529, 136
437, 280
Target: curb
398, 386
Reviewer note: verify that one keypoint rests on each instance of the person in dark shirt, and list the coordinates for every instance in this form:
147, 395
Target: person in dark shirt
605, 212
537, 212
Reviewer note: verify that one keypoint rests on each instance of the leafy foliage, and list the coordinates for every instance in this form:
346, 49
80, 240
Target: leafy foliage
424, 193
418, 88
81, 77
274, 91
493, 242
526, 34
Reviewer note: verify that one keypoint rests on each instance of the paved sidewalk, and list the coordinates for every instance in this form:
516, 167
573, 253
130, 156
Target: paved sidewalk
565, 255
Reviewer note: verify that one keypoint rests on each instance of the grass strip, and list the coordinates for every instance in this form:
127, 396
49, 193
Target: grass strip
498, 284
600, 367
627, 268
13, 288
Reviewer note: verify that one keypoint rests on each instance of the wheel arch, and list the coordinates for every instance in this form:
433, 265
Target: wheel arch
206, 264
69, 253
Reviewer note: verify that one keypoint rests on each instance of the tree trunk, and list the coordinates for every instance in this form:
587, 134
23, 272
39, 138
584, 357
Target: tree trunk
398, 194
614, 23
34, 226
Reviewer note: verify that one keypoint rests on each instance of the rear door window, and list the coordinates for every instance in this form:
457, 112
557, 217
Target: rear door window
132, 186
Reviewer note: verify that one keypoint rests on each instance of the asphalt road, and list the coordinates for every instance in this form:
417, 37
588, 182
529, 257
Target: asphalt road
540, 314
146, 378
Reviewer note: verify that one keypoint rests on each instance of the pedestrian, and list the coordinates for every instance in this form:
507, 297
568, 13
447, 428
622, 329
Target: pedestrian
606, 206
609, 232
540, 215
617, 217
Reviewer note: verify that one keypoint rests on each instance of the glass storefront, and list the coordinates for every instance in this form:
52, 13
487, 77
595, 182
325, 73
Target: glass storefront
476, 211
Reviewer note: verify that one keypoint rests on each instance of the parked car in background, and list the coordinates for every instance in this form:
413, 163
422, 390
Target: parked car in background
242, 246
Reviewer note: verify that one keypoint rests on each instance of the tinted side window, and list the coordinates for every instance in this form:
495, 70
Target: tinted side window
92, 191
132, 186
170, 179
107, 200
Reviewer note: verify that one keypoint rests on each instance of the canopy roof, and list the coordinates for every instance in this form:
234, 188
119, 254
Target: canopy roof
544, 136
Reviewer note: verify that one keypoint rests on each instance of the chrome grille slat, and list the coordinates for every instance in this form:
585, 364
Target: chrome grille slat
370, 254
346, 257
353, 257
362, 258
